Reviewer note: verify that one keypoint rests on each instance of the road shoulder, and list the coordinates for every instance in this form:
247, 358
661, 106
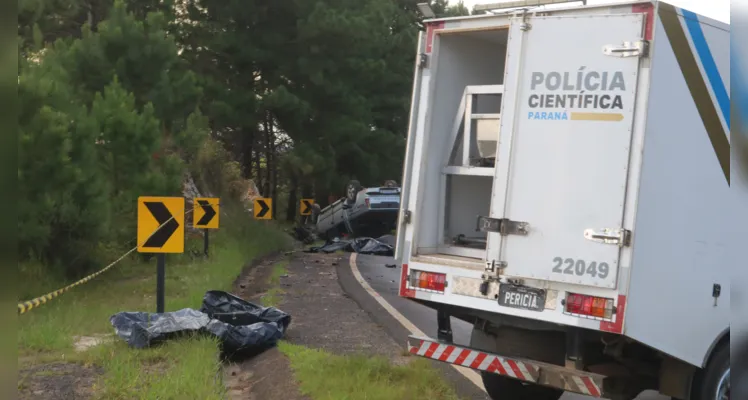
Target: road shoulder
331, 340
267, 375
350, 285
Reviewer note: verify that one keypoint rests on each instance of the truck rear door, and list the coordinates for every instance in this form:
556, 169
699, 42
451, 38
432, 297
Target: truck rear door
563, 169
418, 110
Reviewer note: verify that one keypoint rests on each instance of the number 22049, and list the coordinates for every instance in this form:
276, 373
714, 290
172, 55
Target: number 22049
570, 266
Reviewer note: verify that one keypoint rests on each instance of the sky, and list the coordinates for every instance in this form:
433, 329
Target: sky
716, 9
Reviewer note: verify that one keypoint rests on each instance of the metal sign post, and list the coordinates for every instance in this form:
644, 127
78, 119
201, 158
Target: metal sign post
206, 241
160, 282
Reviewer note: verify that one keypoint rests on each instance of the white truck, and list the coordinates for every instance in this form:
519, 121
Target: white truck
568, 190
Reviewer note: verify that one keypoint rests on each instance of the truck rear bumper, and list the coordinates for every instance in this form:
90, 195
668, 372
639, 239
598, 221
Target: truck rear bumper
534, 372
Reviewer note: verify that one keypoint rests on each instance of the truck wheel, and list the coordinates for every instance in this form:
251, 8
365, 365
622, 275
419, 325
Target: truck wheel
502, 388
713, 382
351, 190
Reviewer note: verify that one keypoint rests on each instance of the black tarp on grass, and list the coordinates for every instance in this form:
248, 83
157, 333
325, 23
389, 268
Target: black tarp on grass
240, 326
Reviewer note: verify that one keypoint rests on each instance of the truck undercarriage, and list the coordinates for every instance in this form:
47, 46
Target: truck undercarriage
594, 363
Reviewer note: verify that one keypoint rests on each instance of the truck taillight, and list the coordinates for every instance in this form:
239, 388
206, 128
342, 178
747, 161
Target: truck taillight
581, 304
366, 201
428, 280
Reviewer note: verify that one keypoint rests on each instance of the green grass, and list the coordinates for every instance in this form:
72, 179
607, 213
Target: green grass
274, 295
179, 369
324, 376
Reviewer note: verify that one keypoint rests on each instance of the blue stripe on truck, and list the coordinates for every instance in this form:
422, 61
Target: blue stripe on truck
707, 62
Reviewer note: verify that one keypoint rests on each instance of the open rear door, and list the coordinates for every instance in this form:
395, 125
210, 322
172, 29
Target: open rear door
563, 161
407, 185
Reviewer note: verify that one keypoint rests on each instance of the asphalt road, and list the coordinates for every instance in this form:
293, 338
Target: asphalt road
384, 281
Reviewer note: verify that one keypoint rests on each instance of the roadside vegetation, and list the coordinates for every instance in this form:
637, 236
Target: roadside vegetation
179, 369
325, 376
125, 99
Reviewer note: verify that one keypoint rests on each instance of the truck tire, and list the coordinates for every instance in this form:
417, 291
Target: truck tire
351, 190
713, 382
502, 388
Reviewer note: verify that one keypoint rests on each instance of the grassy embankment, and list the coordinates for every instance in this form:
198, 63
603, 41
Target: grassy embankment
178, 370
190, 368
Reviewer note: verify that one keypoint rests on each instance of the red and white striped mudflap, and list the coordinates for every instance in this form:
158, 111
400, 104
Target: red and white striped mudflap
529, 371
474, 359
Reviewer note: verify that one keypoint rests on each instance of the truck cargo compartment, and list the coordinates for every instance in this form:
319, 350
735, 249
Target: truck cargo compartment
465, 118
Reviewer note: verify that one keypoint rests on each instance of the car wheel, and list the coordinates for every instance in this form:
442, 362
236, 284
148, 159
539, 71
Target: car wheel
713, 382
351, 190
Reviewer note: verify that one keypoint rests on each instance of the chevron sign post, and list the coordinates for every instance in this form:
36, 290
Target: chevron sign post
205, 216
160, 231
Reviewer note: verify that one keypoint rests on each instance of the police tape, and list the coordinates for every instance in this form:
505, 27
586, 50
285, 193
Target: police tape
26, 306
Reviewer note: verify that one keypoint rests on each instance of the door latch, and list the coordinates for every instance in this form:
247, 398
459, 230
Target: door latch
494, 266
716, 291
640, 48
620, 237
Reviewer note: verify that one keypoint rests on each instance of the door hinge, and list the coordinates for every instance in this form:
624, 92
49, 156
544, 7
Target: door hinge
406, 216
524, 25
620, 237
423, 60
502, 226
639, 48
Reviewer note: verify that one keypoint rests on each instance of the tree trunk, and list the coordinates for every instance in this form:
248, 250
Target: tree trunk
293, 201
321, 196
268, 167
307, 191
258, 171
248, 139
271, 165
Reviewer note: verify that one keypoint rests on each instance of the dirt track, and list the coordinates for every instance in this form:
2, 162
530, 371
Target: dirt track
322, 316
57, 381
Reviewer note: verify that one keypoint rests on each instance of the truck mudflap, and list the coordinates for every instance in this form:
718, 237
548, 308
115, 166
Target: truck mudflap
535, 372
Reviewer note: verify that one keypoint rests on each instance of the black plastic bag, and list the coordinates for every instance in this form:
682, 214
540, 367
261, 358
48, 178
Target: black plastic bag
239, 325
234, 310
245, 338
141, 329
